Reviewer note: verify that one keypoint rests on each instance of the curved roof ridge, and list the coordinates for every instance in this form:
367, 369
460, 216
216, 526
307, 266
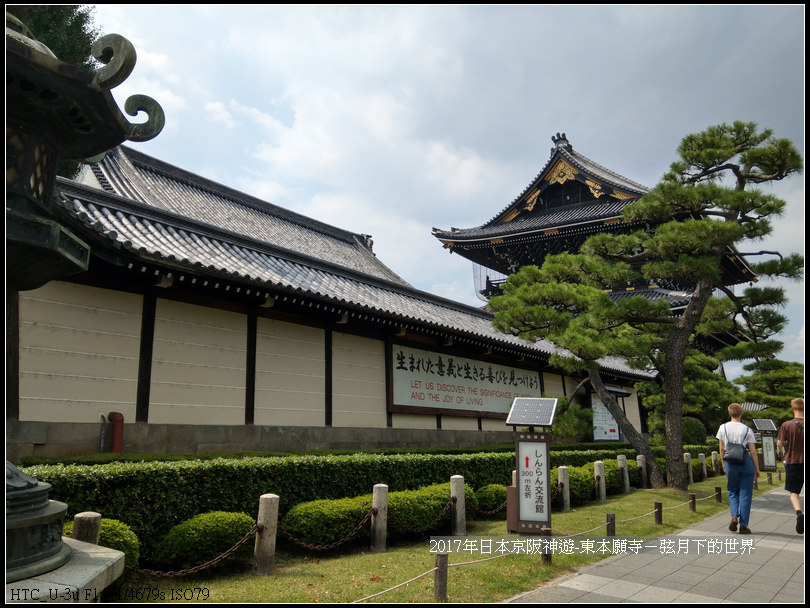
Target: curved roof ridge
577, 157
161, 185
188, 178
563, 148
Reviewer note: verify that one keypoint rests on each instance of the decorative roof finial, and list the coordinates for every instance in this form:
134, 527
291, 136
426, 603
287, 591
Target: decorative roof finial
560, 141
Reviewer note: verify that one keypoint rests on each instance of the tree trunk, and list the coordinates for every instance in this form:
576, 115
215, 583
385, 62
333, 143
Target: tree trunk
633, 436
675, 350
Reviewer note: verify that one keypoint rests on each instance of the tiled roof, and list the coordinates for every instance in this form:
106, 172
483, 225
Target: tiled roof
586, 213
675, 299
589, 212
144, 232
139, 177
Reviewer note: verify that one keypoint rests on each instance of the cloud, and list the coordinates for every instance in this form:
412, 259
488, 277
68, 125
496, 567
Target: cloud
217, 112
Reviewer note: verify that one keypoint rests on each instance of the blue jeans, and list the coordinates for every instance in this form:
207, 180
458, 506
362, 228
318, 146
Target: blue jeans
740, 479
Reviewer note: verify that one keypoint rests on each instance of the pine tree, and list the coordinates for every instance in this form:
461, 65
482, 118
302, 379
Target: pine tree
698, 216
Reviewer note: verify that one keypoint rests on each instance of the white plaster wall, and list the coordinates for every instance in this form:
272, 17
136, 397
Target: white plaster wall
358, 381
78, 353
198, 365
290, 368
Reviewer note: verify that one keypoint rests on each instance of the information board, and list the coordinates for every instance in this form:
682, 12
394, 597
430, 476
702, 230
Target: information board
605, 427
426, 379
532, 472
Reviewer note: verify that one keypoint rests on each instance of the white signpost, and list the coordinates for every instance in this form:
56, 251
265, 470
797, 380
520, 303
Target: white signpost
529, 500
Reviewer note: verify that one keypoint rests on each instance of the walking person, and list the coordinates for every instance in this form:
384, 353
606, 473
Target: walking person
738, 453
791, 439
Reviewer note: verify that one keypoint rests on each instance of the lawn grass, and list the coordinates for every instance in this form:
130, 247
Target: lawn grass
310, 577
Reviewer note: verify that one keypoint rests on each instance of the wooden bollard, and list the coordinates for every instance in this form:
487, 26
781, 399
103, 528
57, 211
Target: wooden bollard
264, 549
611, 524
87, 527
659, 514
692, 503
440, 578
545, 555
718, 494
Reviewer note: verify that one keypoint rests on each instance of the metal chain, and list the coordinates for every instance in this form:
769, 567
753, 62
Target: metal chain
194, 570
372, 511
450, 502
479, 511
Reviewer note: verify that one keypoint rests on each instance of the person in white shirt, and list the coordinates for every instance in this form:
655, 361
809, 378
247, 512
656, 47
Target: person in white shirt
739, 477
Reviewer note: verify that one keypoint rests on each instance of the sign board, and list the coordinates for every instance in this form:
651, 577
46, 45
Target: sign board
767, 431
425, 379
534, 491
605, 427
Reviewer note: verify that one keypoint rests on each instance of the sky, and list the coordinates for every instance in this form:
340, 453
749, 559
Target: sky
391, 120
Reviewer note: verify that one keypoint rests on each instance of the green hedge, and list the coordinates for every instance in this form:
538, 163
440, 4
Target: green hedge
152, 497
107, 458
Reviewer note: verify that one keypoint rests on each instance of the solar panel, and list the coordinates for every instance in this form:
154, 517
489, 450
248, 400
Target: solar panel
531, 411
764, 424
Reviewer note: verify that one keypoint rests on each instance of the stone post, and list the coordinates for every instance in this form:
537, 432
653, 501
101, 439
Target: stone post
641, 463
264, 550
687, 461
704, 474
379, 520
599, 479
86, 527
562, 478
716, 464
458, 522
621, 459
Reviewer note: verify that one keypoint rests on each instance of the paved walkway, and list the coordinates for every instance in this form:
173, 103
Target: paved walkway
773, 572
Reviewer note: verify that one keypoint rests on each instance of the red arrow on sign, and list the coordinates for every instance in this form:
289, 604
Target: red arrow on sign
527, 462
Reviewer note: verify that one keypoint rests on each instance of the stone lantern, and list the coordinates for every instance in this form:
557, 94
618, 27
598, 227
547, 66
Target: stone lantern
53, 111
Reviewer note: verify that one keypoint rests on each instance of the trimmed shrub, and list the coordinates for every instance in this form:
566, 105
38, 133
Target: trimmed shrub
694, 433
202, 538
114, 534
491, 497
322, 522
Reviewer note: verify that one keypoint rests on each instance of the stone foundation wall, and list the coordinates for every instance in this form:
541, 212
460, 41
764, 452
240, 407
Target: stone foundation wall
75, 439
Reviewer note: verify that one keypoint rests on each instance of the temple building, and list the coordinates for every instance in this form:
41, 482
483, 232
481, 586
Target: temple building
212, 320
204, 319
570, 199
